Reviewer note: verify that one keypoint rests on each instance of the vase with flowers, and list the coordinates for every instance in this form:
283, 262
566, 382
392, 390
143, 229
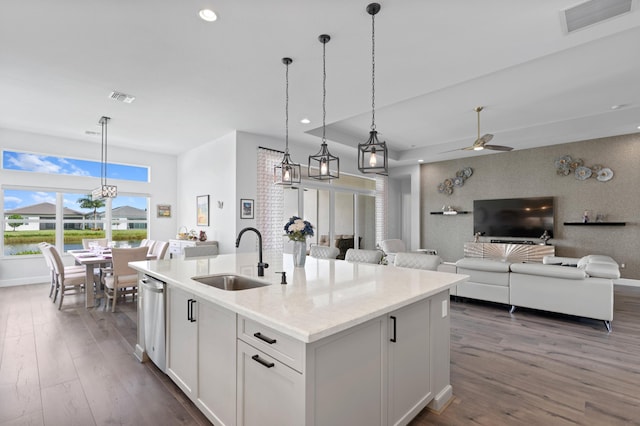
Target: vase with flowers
298, 230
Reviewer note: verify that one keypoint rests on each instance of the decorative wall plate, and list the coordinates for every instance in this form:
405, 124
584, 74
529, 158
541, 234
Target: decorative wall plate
583, 173
604, 174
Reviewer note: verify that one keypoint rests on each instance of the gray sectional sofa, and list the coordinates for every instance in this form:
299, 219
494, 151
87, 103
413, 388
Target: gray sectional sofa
573, 286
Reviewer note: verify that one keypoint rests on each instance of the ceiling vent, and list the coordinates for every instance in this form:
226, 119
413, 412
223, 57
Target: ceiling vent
592, 12
121, 97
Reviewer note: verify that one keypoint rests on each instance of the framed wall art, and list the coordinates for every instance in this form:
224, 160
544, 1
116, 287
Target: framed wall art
246, 208
164, 210
202, 210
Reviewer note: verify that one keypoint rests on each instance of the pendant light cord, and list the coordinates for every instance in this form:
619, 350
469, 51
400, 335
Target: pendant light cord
373, 72
286, 111
324, 90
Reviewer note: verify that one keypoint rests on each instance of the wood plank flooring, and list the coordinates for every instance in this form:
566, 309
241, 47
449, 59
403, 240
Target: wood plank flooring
537, 368
75, 367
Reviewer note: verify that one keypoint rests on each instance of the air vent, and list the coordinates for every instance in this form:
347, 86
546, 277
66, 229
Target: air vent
121, 97
592, 12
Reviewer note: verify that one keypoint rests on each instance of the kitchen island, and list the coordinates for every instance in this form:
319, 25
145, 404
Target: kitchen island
341, 343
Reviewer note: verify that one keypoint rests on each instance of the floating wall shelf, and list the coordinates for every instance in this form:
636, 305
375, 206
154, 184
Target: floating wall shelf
595, 224
450, 214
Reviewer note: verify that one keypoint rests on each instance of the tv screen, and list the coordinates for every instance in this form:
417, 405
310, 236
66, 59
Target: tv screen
513, 217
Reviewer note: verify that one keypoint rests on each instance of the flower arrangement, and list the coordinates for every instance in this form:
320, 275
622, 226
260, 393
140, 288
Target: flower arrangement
298, 229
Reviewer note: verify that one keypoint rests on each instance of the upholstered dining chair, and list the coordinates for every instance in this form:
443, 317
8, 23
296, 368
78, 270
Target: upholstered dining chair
122, 279
68, 269
324, 252
417, 261
363, 256
102, 242
391, 247
67, 282
159, 250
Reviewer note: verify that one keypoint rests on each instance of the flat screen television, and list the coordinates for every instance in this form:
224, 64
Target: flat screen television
513, 217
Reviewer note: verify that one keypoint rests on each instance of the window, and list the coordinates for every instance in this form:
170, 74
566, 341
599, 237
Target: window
32, 216
39, 163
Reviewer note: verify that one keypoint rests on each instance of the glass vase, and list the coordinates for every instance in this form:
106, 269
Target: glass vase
299, 253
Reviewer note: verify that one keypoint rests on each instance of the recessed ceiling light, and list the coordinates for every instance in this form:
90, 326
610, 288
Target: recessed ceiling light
421, 161
208, 15
638, 127
618, 106
305, 121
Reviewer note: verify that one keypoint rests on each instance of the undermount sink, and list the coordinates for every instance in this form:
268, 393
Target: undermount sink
230, 282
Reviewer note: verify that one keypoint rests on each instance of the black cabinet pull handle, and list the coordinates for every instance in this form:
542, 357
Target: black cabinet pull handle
264, 338
262, 361
393, 339
190, 304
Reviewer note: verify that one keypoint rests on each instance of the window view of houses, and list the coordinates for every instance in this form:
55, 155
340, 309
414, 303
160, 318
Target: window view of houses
32, 216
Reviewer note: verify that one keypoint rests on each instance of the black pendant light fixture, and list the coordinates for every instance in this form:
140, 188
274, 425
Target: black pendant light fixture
373, 154
323, 165
286, 172
104, 190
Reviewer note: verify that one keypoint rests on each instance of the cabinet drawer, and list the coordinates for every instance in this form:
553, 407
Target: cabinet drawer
285, 349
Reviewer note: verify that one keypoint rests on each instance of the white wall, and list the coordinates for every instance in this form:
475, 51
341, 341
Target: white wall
405, 181
161, 189
210, 169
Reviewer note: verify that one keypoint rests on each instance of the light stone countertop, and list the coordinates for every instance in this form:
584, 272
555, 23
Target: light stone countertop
325, 297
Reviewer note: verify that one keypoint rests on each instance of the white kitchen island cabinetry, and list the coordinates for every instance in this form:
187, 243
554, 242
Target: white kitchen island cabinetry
341, 343
201, 353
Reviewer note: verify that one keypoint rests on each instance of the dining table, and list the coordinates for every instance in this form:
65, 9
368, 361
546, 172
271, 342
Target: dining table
91, 259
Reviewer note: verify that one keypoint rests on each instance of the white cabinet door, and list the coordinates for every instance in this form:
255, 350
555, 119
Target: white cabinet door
182, 339
217, 363
269, 392
409, 362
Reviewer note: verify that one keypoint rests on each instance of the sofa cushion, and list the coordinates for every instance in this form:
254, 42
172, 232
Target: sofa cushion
595, 258
559, 260
483, 264
554, 271
603, 270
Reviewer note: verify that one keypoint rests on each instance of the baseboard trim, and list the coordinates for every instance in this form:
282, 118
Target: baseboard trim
442, 400
25, 281
627, 282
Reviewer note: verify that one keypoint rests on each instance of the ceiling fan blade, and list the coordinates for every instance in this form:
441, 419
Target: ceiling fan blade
498, 147
486, 138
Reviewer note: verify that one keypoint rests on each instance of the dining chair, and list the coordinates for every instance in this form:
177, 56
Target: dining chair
323, 252
198, 251
417, 261
363, 256
159, 250
68, 281
68, 269
391, 247
122, 279
86, 242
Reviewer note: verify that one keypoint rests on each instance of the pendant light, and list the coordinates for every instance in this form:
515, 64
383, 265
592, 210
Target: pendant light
323, 165
104, 190
373, 154
287, 172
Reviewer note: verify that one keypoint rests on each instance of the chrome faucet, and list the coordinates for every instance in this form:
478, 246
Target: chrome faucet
261, 264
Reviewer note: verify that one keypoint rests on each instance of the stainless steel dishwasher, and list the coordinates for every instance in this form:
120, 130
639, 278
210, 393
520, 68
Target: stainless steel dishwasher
153, 308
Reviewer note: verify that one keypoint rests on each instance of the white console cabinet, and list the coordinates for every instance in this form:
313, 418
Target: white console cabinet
176, 247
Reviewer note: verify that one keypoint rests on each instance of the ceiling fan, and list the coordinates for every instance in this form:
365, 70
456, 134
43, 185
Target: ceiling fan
481, 142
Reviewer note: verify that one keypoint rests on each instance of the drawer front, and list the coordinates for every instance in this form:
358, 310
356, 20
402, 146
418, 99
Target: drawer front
285, 349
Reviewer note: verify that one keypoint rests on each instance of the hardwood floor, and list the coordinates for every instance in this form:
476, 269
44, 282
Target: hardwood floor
75, 367
536, 368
